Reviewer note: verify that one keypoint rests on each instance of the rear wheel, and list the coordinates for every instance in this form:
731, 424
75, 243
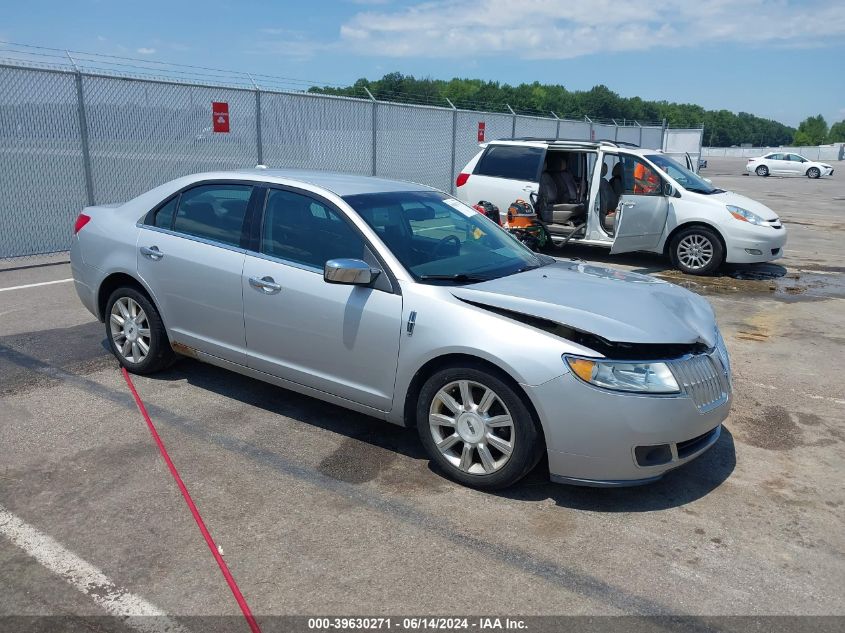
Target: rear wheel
697, 251
813, 172
136, 333
476, 428
762, 170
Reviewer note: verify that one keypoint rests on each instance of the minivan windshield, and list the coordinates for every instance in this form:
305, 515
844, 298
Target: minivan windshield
683, 176
441, 240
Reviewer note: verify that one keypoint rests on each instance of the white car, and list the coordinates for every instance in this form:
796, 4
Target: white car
785, 164
642, 201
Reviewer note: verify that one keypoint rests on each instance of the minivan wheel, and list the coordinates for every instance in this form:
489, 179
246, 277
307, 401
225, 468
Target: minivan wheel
476, 428
813, 172
697, 251
135, 332
762, 170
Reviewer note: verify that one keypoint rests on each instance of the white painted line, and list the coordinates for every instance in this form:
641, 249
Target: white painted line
43, 283
81, 575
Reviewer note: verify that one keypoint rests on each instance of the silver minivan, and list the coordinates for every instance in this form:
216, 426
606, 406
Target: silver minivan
399, 301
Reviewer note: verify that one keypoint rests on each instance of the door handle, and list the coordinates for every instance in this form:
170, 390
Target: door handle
629, 204
528, 188
267, 285
152, 252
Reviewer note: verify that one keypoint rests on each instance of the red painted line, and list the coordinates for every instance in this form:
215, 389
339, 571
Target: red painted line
230, 580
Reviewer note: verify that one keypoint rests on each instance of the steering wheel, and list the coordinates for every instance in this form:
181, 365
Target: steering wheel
445, 240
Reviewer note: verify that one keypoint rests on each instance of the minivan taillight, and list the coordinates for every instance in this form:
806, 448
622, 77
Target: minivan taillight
461, 180
81, 221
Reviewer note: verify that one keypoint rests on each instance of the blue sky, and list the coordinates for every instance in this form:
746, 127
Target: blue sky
775, 58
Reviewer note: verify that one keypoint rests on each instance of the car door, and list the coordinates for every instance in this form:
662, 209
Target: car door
643, 209
505, 173
796, 164
191, 255
340, 339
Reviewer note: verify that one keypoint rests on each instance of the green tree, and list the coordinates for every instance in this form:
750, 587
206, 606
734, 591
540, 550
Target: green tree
836, 133
722, 127
811, 131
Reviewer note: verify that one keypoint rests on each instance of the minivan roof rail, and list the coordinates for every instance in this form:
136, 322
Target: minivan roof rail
604, 141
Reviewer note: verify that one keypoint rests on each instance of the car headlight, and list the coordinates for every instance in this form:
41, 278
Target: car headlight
624, 375
745, 215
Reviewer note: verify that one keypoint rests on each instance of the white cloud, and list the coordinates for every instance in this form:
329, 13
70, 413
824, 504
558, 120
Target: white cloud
551, 29
145, 51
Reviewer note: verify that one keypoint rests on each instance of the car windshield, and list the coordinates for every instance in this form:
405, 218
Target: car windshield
441, 240
683, 176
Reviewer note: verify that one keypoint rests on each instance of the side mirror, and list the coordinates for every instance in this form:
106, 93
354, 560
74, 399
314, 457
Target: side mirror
668, 190
354, 272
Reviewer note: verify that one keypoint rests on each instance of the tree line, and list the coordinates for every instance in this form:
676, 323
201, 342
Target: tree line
722, 128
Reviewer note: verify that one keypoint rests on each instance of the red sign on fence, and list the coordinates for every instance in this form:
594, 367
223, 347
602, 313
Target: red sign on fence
220, 116
481, 131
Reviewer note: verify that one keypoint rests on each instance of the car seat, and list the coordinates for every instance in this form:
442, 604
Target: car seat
554, 187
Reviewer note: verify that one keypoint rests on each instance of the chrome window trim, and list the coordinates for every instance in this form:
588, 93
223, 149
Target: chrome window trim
193, 238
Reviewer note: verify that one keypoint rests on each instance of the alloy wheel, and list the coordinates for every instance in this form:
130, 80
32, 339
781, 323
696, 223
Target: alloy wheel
695, 251
130, 329
471, 427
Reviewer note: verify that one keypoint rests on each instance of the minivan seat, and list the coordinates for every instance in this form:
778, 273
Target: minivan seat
558, 193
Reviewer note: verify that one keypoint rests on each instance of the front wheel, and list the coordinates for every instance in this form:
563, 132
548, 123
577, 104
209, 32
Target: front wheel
136, 333
476, 428
813, 172
762, 170
697, 251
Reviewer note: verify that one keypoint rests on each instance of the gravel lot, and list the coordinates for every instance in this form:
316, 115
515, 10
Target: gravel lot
323, 511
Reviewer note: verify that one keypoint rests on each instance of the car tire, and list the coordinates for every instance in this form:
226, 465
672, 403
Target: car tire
814, 172
469, 455
697, 250
762, 170
136, 333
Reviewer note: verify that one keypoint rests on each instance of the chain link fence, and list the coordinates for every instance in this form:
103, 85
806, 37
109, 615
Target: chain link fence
813, 152
69, 139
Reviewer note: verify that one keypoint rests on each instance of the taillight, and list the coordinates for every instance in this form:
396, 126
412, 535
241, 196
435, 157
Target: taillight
461, 180
81, 221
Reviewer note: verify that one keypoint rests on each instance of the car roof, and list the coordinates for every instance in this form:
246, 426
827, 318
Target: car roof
338, 183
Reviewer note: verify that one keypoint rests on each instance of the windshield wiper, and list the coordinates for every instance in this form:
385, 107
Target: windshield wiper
453, 277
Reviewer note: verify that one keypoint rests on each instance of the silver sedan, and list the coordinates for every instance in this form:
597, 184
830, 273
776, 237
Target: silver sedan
396, 300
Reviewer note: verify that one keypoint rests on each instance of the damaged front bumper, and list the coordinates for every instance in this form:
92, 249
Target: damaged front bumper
600, 437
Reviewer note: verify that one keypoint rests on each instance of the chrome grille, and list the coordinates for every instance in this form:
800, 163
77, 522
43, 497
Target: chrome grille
703, 378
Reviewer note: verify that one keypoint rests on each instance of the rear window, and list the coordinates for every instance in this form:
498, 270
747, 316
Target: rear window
511, 161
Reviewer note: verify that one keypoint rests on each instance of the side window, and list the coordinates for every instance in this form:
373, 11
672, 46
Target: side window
164, 216
300, 229
796, 158
775, 157
215, 212
511, 161
639, 178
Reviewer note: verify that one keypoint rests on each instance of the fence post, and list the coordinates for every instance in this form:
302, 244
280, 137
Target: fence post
259, 145
640, 143
83, 133
557, 126
663, 135
375, 130
590, 121
513, 124
615, 130
454, 143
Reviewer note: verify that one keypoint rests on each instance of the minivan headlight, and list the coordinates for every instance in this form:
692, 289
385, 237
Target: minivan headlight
624, 375
744, 215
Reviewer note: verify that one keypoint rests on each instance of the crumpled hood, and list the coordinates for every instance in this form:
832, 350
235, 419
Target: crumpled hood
731, 197
619, 306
